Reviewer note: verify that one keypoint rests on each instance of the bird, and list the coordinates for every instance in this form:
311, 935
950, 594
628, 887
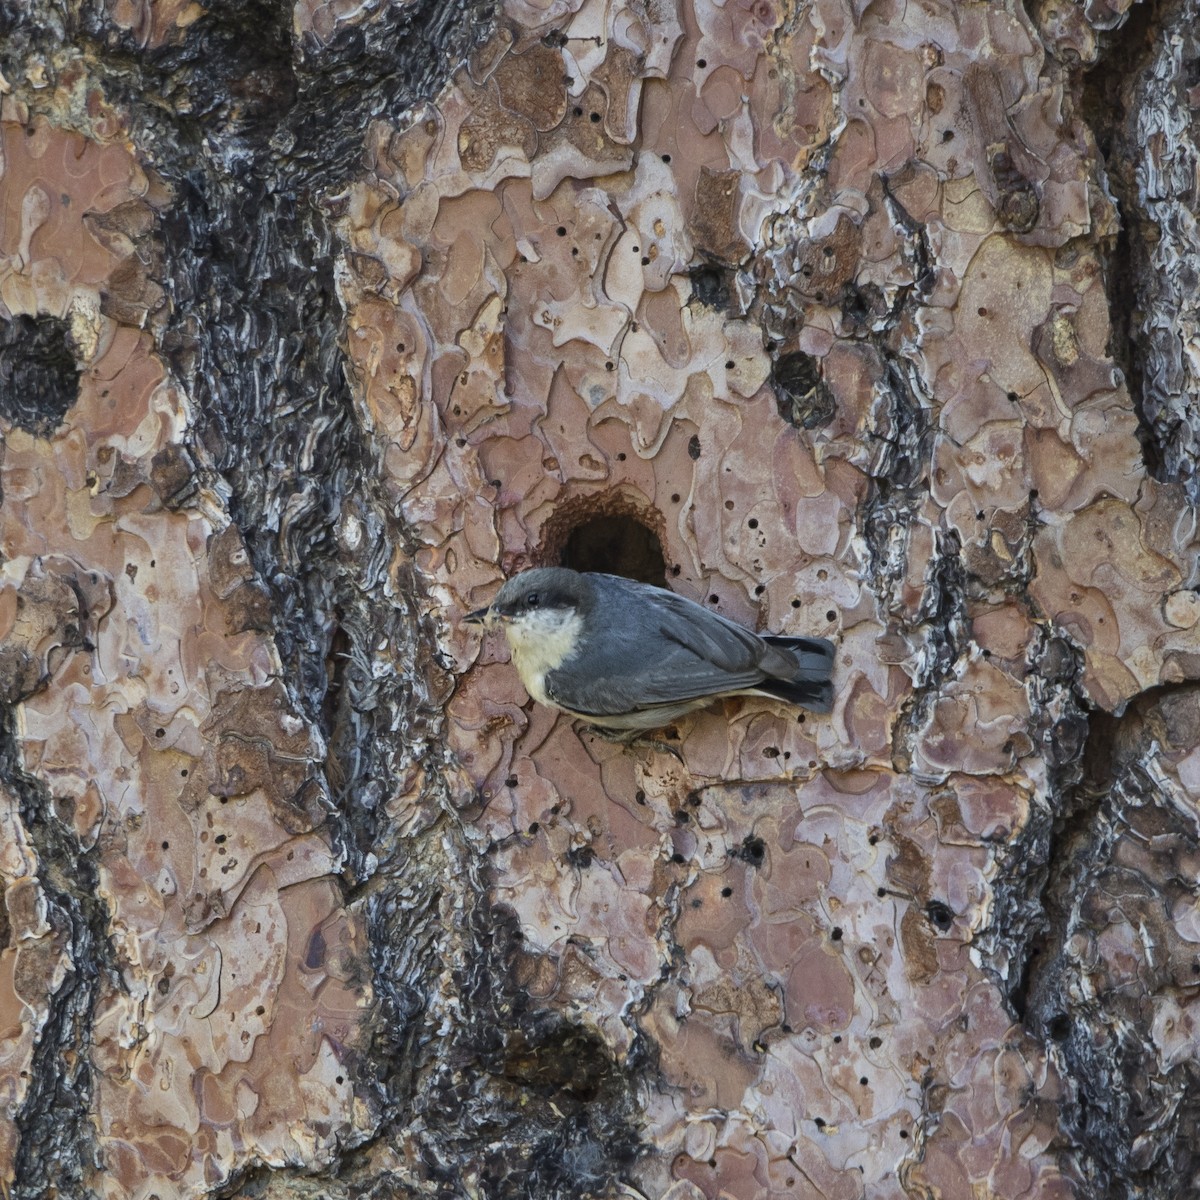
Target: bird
627, 657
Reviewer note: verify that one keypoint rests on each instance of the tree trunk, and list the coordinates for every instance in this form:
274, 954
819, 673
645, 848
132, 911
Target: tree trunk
868, 320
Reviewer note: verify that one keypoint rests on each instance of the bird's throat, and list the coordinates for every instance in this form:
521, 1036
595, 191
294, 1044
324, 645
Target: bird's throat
540, 643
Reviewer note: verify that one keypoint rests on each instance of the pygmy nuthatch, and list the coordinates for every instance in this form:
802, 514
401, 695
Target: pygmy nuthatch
626, 655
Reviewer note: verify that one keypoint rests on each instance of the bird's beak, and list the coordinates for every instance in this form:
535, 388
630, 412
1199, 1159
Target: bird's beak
478, 617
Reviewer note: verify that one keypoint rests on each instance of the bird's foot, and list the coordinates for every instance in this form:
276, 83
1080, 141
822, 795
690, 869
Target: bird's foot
632, 739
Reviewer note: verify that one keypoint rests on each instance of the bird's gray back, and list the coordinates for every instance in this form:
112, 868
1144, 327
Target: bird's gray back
645, 646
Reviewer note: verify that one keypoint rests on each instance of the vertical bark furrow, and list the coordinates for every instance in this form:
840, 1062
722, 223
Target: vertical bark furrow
55, 1150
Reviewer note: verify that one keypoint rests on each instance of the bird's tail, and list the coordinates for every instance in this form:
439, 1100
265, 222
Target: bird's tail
809, 684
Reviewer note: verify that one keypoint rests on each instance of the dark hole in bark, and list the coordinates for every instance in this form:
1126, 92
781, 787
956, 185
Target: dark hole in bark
939, 915
710, 285
39, 379
753, 850
618, 545
803, 397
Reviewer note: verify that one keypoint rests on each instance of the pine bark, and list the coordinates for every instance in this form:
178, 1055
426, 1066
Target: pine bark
864, 320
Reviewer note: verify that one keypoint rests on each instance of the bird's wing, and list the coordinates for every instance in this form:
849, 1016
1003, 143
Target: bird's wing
650, 647
715, 637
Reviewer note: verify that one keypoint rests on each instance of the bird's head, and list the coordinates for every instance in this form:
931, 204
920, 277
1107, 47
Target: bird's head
542, 597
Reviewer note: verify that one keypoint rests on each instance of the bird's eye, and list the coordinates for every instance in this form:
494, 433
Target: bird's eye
533, 600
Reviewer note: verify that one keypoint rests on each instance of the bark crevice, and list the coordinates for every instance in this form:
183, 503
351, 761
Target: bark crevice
1131, 1113
56, 1153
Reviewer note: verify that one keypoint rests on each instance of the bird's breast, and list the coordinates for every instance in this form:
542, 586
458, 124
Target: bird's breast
542, 642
